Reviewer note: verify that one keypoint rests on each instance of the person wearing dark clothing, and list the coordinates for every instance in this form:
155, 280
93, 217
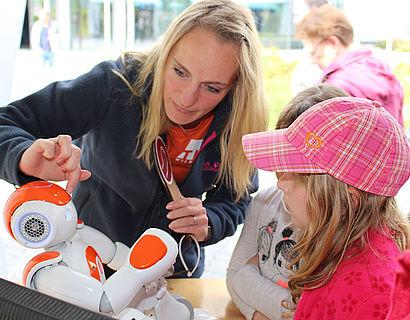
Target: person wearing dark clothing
193, 87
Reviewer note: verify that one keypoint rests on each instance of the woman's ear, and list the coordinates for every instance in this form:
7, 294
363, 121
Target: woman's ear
333, 41
337, 45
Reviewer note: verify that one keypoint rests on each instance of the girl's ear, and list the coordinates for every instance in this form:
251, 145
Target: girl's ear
354, 194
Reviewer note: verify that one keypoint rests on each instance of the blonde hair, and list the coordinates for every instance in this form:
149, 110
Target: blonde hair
337, 219
301, 102
231, 23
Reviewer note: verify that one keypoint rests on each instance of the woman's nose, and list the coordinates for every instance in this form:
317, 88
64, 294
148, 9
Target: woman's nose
189, 95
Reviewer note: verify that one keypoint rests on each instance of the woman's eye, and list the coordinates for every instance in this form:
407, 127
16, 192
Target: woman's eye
179, 72
212, 89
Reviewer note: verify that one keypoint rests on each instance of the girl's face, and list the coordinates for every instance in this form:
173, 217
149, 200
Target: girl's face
199, 72
294, 197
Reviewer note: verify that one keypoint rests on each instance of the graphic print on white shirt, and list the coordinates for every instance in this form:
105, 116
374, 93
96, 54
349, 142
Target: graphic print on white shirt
187, 156
276, 249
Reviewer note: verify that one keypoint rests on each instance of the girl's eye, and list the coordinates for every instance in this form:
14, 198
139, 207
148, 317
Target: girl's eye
179, 72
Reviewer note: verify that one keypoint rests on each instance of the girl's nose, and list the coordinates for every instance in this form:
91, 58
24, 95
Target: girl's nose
189, 95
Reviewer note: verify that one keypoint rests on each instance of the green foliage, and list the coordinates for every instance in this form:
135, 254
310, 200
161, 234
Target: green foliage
379, 44
401, 45
277, 76
402, 72
398, 44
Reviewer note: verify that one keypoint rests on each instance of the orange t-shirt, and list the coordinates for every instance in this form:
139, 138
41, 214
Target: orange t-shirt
184, 145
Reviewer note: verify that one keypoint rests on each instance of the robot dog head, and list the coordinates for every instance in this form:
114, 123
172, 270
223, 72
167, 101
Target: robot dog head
40, 214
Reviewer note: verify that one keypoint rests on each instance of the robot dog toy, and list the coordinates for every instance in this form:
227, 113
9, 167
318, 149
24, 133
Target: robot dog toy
41, 215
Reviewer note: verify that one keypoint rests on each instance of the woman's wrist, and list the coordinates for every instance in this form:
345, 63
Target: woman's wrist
209, 233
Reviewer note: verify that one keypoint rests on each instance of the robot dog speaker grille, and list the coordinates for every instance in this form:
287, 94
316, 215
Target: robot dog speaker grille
34, 227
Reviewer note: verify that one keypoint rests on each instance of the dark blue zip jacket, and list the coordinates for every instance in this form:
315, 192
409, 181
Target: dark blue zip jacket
122, 198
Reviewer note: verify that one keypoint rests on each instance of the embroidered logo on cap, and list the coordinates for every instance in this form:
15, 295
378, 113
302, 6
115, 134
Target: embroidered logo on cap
312, 141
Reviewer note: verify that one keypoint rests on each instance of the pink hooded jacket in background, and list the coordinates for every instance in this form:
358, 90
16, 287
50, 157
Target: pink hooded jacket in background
362, 75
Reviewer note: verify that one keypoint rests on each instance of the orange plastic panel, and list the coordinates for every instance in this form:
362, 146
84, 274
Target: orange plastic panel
49, 255
94, 263
37, 190
148, 251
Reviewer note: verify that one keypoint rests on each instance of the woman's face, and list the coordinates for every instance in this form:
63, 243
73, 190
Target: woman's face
321, 51
199, 72
294, 197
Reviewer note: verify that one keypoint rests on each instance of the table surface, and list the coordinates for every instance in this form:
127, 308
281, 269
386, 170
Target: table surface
210, 295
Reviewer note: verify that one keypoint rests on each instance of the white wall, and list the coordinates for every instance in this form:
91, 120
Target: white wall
378, 19
11, 17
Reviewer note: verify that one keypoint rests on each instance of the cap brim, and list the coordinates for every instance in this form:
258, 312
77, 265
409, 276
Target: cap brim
272, 151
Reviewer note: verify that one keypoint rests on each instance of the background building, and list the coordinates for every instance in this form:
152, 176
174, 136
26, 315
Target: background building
124, 24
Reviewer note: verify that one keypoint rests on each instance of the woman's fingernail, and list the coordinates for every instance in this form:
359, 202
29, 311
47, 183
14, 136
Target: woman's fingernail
170, 206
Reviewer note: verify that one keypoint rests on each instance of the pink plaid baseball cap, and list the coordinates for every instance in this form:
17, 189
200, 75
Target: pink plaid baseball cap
354, 140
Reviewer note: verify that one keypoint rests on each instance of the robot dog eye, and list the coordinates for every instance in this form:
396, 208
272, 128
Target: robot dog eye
34, 227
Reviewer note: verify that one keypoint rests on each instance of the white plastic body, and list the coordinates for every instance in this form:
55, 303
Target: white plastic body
61, 222
126, 295
70, 285
120, 287
99, 241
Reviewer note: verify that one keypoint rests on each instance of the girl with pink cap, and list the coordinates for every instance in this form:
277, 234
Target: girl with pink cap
339, 166
258, 266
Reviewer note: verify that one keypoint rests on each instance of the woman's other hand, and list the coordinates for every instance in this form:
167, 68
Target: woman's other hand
189, 216
55, 159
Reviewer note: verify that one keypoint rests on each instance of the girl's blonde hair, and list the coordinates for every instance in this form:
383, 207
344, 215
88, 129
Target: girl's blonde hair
339, 215
231, 23
301, 102
305, 99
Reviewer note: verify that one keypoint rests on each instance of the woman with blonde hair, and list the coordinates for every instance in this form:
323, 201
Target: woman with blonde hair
200, 89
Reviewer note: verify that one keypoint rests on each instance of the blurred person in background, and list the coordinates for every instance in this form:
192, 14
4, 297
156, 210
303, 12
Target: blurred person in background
305, 73
302, 7
42, 37
328, 36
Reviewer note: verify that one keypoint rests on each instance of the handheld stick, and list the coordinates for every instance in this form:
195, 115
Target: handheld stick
164, 168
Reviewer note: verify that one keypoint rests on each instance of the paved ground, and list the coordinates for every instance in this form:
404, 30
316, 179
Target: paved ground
29, 76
